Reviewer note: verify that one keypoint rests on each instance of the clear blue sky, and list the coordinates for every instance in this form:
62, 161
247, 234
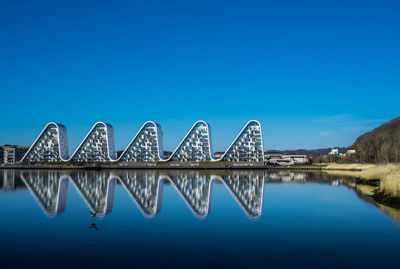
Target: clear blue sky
314, 73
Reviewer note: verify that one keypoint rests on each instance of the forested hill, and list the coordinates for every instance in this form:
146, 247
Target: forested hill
381, 145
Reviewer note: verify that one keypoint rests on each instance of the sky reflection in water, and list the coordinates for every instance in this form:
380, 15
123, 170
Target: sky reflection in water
190, 219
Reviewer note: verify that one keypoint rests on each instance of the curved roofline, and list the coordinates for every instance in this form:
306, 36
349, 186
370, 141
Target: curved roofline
37, 138
160, 145
110, 136
133, 139
194, 125
234, 140
84, 139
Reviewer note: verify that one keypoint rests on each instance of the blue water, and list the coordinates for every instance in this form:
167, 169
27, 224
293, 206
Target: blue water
190, 219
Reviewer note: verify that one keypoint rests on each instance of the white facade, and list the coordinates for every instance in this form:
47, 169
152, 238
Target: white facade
146, 146
195, 147
50, 146
98, 145
334, 152
284, 160
248, 145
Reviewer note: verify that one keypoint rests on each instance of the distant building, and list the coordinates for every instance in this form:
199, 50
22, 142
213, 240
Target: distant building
299, 159
119, 153
10, 154
167, 154
334, 152
285, 160
218, 155
347, 153
350, 151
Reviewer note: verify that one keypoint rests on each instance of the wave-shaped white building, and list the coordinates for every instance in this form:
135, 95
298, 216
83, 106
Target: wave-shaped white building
50, 146
146, 146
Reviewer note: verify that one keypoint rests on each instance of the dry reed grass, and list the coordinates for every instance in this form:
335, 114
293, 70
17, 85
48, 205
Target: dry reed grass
389, 175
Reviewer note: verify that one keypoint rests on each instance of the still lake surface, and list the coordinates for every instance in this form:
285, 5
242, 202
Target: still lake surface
191, 219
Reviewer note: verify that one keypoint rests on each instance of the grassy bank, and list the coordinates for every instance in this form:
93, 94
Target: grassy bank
387, 174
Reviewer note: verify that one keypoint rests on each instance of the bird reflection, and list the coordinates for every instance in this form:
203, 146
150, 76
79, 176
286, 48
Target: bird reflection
145, 188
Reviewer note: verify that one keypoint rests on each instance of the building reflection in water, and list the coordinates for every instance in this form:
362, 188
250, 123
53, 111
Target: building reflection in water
247, 187
195, 189
96, 188
9, 181
145, 188
49, 188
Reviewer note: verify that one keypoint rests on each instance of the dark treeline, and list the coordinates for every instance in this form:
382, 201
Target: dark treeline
381, 145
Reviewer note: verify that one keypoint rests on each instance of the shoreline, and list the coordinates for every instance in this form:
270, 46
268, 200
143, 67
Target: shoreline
177, 166
381, 183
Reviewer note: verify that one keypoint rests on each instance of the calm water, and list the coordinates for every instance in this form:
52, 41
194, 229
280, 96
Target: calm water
191, 219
